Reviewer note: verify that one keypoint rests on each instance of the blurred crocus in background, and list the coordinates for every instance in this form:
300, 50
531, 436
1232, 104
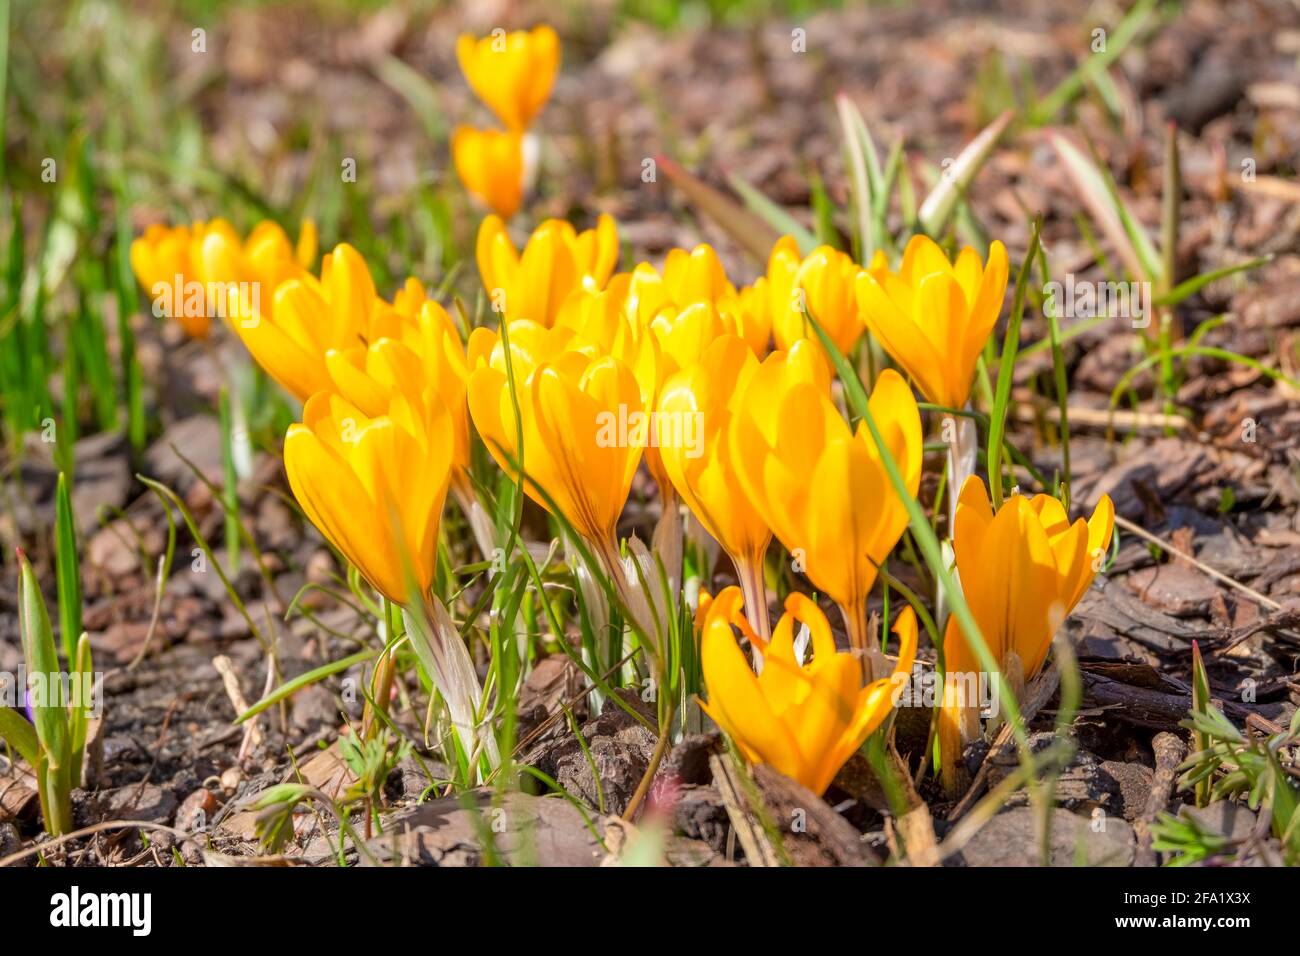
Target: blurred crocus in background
205, 270
513, 73
491, 164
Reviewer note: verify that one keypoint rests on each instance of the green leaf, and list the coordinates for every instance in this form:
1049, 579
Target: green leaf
4, 72
749, 231
67, 570
83, 673
939, 205
418, 91
1098, 193
824, 215
229, 479
864, 175
50, 716
1200, 705
774, 215
19, 734
926, 539
1209, 351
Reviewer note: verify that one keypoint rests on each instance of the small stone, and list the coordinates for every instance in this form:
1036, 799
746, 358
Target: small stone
312, 708
321, 568
1011, 839
109, 551
196, 811
1232, 820
198, 438
135, 801
10, 841
688, 761
231, 778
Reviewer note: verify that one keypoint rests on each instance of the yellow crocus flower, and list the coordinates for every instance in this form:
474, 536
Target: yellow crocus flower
410, 298
190, 269
1022, 571
803, 718
556, 261
212, 256
243, 275
687, 277
374, 485
267, 250
157, 258
820, 486
822, 283
491, 164
513, 73
750, 313
427, 353
934, 316
684, 333
309, 318
705, 397
583, 420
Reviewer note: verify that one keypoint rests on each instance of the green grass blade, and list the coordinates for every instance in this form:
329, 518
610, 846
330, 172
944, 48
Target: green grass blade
1098, 193
230, 481
773, 215
1200, 704
1196, 283
1059, 379
942, 200
1129, 27
750, 231
1002, 397
418, 90
314, 676
1205, 350
4, 80
83, 673
862, 178
127, 302
823, 214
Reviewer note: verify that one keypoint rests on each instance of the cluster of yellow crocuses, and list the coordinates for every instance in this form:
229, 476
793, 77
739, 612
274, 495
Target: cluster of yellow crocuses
513, 73
198, 270
390, 392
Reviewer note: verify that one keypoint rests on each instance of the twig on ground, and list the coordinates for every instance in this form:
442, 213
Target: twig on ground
1169, 751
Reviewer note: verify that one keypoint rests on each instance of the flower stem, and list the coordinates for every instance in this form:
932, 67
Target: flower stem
480, 522
749, 570
961, 464
632, 599
656, 758
667, 539
861, 638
